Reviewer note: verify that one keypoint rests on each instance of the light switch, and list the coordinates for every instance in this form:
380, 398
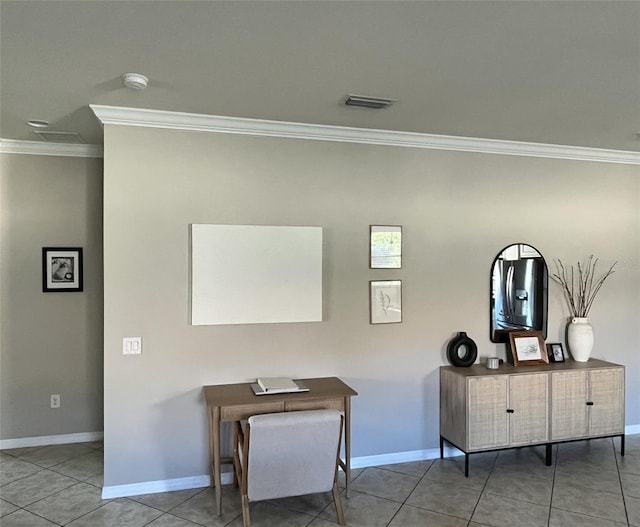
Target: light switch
132, 345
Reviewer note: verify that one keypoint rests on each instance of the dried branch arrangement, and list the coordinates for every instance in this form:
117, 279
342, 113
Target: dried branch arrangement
580, 287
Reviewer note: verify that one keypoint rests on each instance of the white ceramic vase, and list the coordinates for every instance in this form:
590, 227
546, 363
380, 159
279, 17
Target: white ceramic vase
580, 339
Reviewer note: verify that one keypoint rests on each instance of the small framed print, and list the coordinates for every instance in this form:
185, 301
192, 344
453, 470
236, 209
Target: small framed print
385, 299
527, 348
555, 352
61, 269
385, 246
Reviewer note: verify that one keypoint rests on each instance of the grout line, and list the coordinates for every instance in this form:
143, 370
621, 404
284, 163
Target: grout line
611, 439
556, 455
410, 493
624, 501
484, 487
553, 479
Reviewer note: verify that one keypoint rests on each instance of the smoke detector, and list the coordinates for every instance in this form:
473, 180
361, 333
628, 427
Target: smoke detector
364, 101
135, 81
38, 123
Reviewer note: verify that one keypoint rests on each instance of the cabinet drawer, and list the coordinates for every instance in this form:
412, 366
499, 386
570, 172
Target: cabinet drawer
237, 413
332, 404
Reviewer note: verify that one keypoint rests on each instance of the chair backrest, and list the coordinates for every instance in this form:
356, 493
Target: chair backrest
292, 453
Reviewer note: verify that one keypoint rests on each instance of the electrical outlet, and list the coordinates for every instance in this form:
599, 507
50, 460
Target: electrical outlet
132, 345
55, 400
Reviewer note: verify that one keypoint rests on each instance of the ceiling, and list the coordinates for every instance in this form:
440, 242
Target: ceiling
554, 72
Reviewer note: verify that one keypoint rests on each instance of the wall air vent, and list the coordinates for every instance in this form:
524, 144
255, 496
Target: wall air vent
59, 137
368, 102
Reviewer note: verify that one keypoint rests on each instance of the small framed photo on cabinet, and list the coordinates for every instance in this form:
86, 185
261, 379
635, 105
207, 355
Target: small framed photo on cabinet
527, 348
61, 269
385, 299
555, 352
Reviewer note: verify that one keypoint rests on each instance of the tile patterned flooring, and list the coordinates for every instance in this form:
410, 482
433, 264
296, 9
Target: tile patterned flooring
589, 485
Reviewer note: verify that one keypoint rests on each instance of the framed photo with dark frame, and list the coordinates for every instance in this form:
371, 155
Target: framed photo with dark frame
385, 246
555, 352
61, 269
385, 299
527, 348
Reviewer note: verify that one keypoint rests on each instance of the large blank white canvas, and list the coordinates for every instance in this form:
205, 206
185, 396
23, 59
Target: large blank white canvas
251, 274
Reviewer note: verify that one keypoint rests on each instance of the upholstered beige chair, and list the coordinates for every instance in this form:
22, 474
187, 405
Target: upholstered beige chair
288, 454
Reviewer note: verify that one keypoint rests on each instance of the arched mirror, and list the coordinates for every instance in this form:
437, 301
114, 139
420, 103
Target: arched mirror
519, 282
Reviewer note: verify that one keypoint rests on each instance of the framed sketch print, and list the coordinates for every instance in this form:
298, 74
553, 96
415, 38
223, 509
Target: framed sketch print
385, 299
528, 348
555, 352
385, 247
61, 269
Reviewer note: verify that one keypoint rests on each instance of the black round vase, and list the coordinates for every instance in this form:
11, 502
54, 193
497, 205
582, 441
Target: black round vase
471, 354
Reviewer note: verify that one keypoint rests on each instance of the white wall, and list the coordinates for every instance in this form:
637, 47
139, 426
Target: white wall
458, 210
50, 343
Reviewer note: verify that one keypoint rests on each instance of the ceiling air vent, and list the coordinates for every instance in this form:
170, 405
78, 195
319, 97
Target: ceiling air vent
59, 137
368, 102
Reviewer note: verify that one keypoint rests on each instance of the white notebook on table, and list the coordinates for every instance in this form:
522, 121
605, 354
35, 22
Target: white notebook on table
272, 385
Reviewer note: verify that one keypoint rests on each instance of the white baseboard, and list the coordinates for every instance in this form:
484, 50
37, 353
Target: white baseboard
398, 457
24, 442
632, 429
152, 487
165, 485
432, 453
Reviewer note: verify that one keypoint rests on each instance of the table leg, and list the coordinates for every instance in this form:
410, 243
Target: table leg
214, 452
347, 443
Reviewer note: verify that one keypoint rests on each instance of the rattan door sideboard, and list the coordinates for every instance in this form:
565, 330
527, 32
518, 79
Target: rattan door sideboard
483, 410
587, 403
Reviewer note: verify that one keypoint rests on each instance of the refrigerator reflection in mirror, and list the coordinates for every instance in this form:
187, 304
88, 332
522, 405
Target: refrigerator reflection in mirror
518, 292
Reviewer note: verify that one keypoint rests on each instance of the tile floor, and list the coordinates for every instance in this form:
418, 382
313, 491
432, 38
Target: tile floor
589, 485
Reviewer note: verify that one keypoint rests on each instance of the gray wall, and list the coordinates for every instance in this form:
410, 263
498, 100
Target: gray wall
458, 210
49, 342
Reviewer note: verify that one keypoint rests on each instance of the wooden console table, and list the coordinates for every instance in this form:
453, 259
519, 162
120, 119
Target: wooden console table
235, 402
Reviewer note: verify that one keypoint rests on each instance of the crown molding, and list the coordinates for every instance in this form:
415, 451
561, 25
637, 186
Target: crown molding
9, 146
244, 126
114, 115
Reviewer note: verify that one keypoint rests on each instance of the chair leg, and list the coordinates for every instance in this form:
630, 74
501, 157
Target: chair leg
237, 469
237, 446
246, 519
236, 461
338, 503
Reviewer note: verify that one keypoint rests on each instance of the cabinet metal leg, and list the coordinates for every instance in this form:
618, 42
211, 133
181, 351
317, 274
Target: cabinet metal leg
549, 455
441, 447
622, 445
466, 465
